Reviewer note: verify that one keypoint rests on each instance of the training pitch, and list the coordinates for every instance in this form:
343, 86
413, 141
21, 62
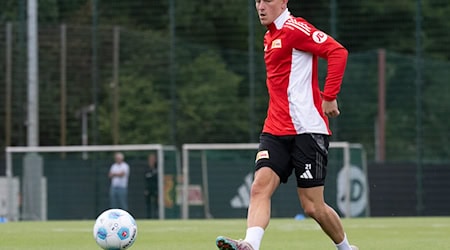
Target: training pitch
283, 234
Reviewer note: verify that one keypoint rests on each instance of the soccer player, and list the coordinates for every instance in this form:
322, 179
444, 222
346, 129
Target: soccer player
296, 134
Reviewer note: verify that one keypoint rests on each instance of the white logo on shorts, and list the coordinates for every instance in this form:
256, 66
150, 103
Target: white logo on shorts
307, 174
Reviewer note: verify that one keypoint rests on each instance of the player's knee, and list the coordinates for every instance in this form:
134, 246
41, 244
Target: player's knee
314, 210
310, 211
265, 183
258, 189
261, 188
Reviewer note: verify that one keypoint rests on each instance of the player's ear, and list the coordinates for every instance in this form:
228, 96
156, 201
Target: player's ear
285, 2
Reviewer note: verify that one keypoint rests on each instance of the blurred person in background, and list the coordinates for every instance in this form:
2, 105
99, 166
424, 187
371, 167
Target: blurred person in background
295, 136
151, 187
119, 173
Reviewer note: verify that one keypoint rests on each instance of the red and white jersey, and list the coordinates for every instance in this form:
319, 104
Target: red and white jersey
292, 47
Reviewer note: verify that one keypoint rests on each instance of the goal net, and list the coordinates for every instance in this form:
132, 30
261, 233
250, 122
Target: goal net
71, 182
218, 177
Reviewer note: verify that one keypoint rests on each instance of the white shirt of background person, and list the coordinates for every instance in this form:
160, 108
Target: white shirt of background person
119, 172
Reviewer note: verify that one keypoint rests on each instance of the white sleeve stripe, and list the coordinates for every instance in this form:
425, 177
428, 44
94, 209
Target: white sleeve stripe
299, 28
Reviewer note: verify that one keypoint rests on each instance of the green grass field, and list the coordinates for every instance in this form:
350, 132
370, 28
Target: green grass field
368, 234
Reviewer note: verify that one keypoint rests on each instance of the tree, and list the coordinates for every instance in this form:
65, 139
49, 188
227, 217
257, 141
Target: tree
209, 107
8, 11
212, 68
144, 103
365, 25
436, 106
143, 113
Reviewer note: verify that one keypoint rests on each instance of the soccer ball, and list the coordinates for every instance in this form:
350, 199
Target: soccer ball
115, 229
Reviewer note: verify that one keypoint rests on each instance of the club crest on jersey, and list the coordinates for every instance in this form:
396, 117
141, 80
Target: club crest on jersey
319, 36
264, 154
276, 44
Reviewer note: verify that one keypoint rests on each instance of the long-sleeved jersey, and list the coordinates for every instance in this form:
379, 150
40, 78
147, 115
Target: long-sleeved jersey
292, 47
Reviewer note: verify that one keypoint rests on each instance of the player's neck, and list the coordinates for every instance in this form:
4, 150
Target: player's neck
278, 23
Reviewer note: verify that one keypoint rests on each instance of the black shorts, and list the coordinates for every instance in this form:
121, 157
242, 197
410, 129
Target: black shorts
306, 154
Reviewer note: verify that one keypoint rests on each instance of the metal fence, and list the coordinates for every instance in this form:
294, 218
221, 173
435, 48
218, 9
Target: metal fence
162, 79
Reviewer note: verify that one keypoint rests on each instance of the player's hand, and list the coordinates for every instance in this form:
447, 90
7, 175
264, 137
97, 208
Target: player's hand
330, 108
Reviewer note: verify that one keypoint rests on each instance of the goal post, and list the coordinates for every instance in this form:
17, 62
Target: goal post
222, 174
79, 155
350, 180
185, 166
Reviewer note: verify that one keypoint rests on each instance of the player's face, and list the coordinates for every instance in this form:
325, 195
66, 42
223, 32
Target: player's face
269, 10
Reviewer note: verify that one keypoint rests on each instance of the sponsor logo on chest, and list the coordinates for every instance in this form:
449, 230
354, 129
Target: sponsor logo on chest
276, 44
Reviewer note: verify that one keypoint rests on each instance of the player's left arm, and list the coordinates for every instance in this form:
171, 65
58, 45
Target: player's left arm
319, 43
336, 55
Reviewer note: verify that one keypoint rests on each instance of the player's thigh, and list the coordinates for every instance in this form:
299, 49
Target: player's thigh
274, 153
311, 196
310, 158
266, 181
